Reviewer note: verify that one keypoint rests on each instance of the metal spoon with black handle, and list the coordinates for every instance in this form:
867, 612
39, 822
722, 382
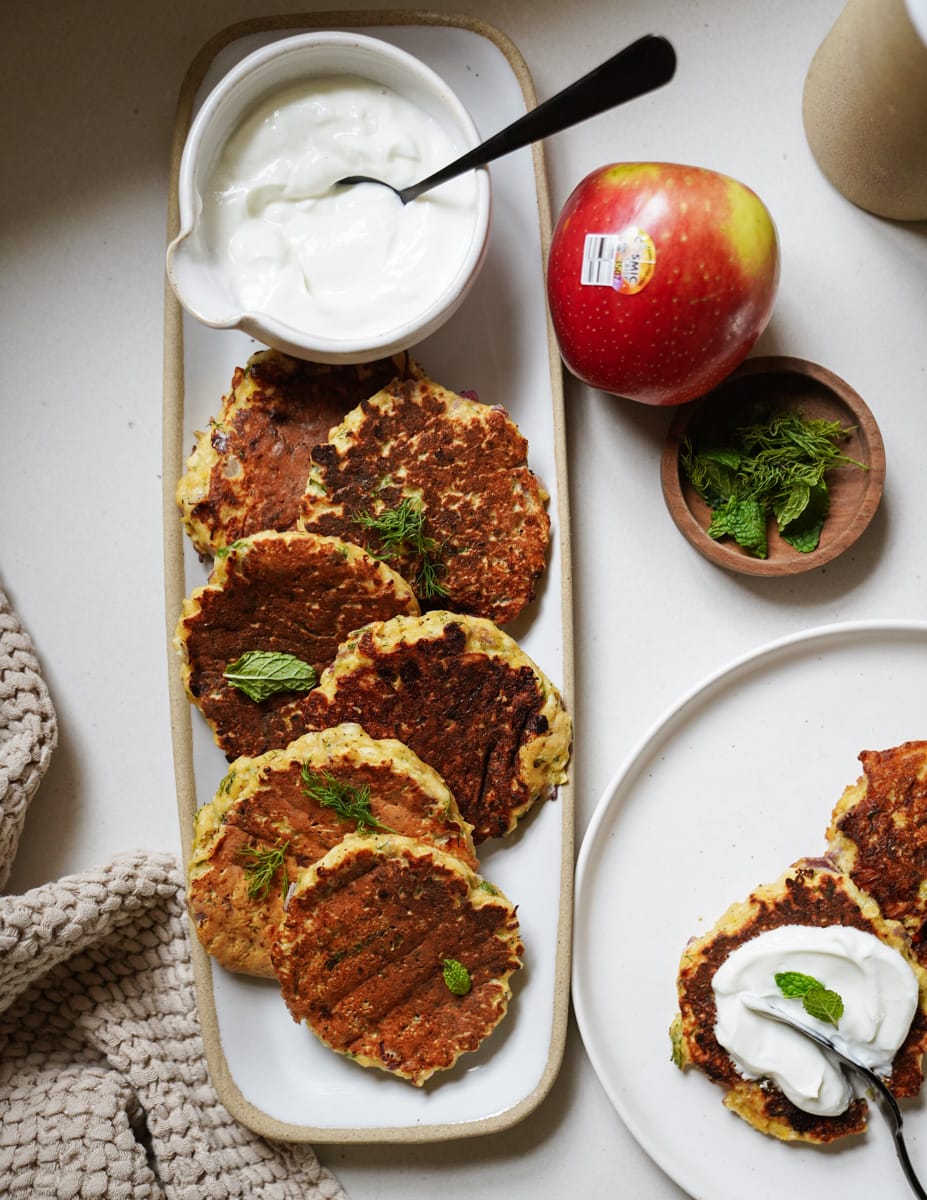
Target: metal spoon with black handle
645, 65
893, 1113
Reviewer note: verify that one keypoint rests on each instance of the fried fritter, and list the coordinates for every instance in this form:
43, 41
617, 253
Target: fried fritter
292, 593
248, 470
811, 892
465, 698
460, 468
361, 951
878, 835
278, 813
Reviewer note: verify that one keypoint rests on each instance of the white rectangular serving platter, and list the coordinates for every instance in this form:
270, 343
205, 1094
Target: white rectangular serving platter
270, 1073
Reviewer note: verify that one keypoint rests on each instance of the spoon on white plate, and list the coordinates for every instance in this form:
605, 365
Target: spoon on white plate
891, 1111
641, 67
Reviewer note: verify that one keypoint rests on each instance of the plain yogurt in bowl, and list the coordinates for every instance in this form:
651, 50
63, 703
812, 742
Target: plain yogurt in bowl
269, 244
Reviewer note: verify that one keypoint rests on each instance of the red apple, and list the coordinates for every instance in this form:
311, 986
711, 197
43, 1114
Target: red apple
660, 279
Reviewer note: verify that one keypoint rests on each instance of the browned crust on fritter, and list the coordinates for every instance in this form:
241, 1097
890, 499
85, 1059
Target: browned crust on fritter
262, 805
249, 468
878, 834
360, 955
291, 592
490, 723
466, 463
809, 893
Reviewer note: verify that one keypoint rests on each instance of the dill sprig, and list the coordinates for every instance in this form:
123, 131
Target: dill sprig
400, 527
264, 863
401, 530
349, 802
427, 584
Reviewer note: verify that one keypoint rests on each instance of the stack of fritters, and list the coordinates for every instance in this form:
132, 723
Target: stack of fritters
410, 450
871, 879
248, 470
809, 893
362, 948
277, 814
334, 450
463, 695
338, 852
452, 691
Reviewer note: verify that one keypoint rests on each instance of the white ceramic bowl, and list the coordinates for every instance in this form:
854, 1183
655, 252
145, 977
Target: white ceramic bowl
194, 265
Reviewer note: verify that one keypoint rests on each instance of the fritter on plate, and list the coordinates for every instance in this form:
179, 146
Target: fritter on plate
878, 835
248, 470
811, 892
291, 593
468, 701
440, 485
368, 934
282, 811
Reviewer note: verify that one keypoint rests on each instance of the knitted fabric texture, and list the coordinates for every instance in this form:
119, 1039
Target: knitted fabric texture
28, 732
104, 1090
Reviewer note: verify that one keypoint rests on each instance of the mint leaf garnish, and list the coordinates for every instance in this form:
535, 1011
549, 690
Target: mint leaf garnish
263, 673
744, 519
823, 1004
817, 1000
456, 977
794, 984
803, 532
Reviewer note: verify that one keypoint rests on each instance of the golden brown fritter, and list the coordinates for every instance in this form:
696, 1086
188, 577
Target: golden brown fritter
463, 465
878, 834
465, 698
292, 593
811, 892
361, 951
278, 813
248, 470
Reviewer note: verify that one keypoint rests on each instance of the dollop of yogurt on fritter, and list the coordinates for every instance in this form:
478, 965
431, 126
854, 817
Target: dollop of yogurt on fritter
880, 996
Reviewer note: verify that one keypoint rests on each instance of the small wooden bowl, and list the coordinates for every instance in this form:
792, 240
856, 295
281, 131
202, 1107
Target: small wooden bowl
785, 383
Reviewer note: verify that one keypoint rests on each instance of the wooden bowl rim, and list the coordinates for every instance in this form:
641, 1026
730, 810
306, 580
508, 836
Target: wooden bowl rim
724, 554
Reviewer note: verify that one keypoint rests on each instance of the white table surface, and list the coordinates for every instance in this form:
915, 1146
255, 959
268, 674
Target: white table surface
88, 94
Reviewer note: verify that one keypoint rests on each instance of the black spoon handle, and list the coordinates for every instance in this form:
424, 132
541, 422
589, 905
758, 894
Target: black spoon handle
641, 67
894, 1117
900, 1148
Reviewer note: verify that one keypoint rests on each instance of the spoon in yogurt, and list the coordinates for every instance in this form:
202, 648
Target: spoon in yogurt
641, 67
769, 1008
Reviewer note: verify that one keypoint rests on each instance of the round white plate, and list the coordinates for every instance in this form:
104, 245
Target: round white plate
734, 784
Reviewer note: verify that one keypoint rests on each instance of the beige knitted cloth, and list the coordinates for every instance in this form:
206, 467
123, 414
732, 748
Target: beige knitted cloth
103, 1084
